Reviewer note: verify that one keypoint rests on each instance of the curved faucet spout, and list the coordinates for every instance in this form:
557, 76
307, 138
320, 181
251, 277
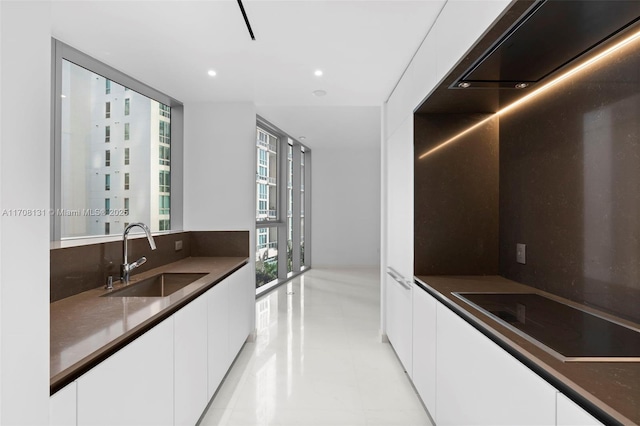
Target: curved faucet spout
127, 267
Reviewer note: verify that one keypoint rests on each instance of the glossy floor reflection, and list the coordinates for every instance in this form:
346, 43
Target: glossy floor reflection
318, 360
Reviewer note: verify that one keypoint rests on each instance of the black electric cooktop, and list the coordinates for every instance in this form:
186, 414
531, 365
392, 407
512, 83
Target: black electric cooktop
573, 334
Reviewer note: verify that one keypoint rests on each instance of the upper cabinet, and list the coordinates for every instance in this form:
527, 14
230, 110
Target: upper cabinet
399, 155
459, 25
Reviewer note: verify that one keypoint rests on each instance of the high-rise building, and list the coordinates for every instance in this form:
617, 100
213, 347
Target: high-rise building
116, 149
267, 200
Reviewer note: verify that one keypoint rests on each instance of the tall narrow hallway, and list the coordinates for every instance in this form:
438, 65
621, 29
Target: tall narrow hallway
318, 360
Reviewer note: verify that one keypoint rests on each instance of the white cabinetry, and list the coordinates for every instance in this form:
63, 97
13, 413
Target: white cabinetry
62, 407
167, 375
480, 383
399, 250
399, 321
424, 347
400, 199
570, 414
218, 355
190, 352
134, 386
241, 302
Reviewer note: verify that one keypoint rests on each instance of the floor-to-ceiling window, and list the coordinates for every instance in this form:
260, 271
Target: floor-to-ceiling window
280, 205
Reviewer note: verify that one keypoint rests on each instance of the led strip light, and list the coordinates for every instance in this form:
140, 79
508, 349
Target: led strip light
538, 91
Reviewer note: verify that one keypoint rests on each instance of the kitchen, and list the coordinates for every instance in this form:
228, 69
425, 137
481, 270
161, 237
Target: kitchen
518, 161
26, 53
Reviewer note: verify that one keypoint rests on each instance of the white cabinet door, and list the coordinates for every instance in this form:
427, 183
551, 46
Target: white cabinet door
571, 414
478, 383
62, 407
241, 302
399, 321
424, 347
218, 355
134, 386
190, 371
399, 248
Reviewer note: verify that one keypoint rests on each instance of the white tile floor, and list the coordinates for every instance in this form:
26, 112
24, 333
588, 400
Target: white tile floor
318, 360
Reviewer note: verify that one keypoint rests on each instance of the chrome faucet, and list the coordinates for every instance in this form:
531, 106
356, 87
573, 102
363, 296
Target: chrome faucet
126, 268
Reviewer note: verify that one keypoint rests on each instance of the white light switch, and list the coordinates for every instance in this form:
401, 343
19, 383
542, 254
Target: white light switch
178, 245
521, 253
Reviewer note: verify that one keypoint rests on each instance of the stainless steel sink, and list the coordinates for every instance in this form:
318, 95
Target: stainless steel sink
161, 285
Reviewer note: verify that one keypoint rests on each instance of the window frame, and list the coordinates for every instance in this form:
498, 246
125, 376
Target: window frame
62, 51
279, 136
281, 222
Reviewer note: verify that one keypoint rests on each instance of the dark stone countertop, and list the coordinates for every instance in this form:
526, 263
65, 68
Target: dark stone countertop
608, 390
87, 328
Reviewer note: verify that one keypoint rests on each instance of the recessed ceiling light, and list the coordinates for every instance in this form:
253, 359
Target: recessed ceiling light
319, 93
318, 73
521, 85
211, 73
63, 96
464, 84
302, 138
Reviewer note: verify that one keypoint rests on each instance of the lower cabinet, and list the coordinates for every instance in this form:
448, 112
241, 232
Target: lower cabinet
480, 383
190, 352
62, 406
464, 378
571, 414
168, 375
219, 356
399, 321
424, 347
134, 386
242, 300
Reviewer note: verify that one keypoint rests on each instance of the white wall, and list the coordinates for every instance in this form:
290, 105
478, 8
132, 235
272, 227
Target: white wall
220, 162
25, 81
346, 190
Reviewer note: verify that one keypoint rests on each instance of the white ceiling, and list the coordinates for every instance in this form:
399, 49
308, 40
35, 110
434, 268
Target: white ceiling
362, 46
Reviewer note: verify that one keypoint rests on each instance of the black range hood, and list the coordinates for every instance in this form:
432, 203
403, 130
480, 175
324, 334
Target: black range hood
548, 36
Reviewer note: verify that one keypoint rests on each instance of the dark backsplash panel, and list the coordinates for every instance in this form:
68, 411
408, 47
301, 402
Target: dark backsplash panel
570, 188
456, 196
82, 268
220, 243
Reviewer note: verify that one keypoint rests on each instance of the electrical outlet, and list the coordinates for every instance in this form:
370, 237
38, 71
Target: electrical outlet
521, 253
178, 245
